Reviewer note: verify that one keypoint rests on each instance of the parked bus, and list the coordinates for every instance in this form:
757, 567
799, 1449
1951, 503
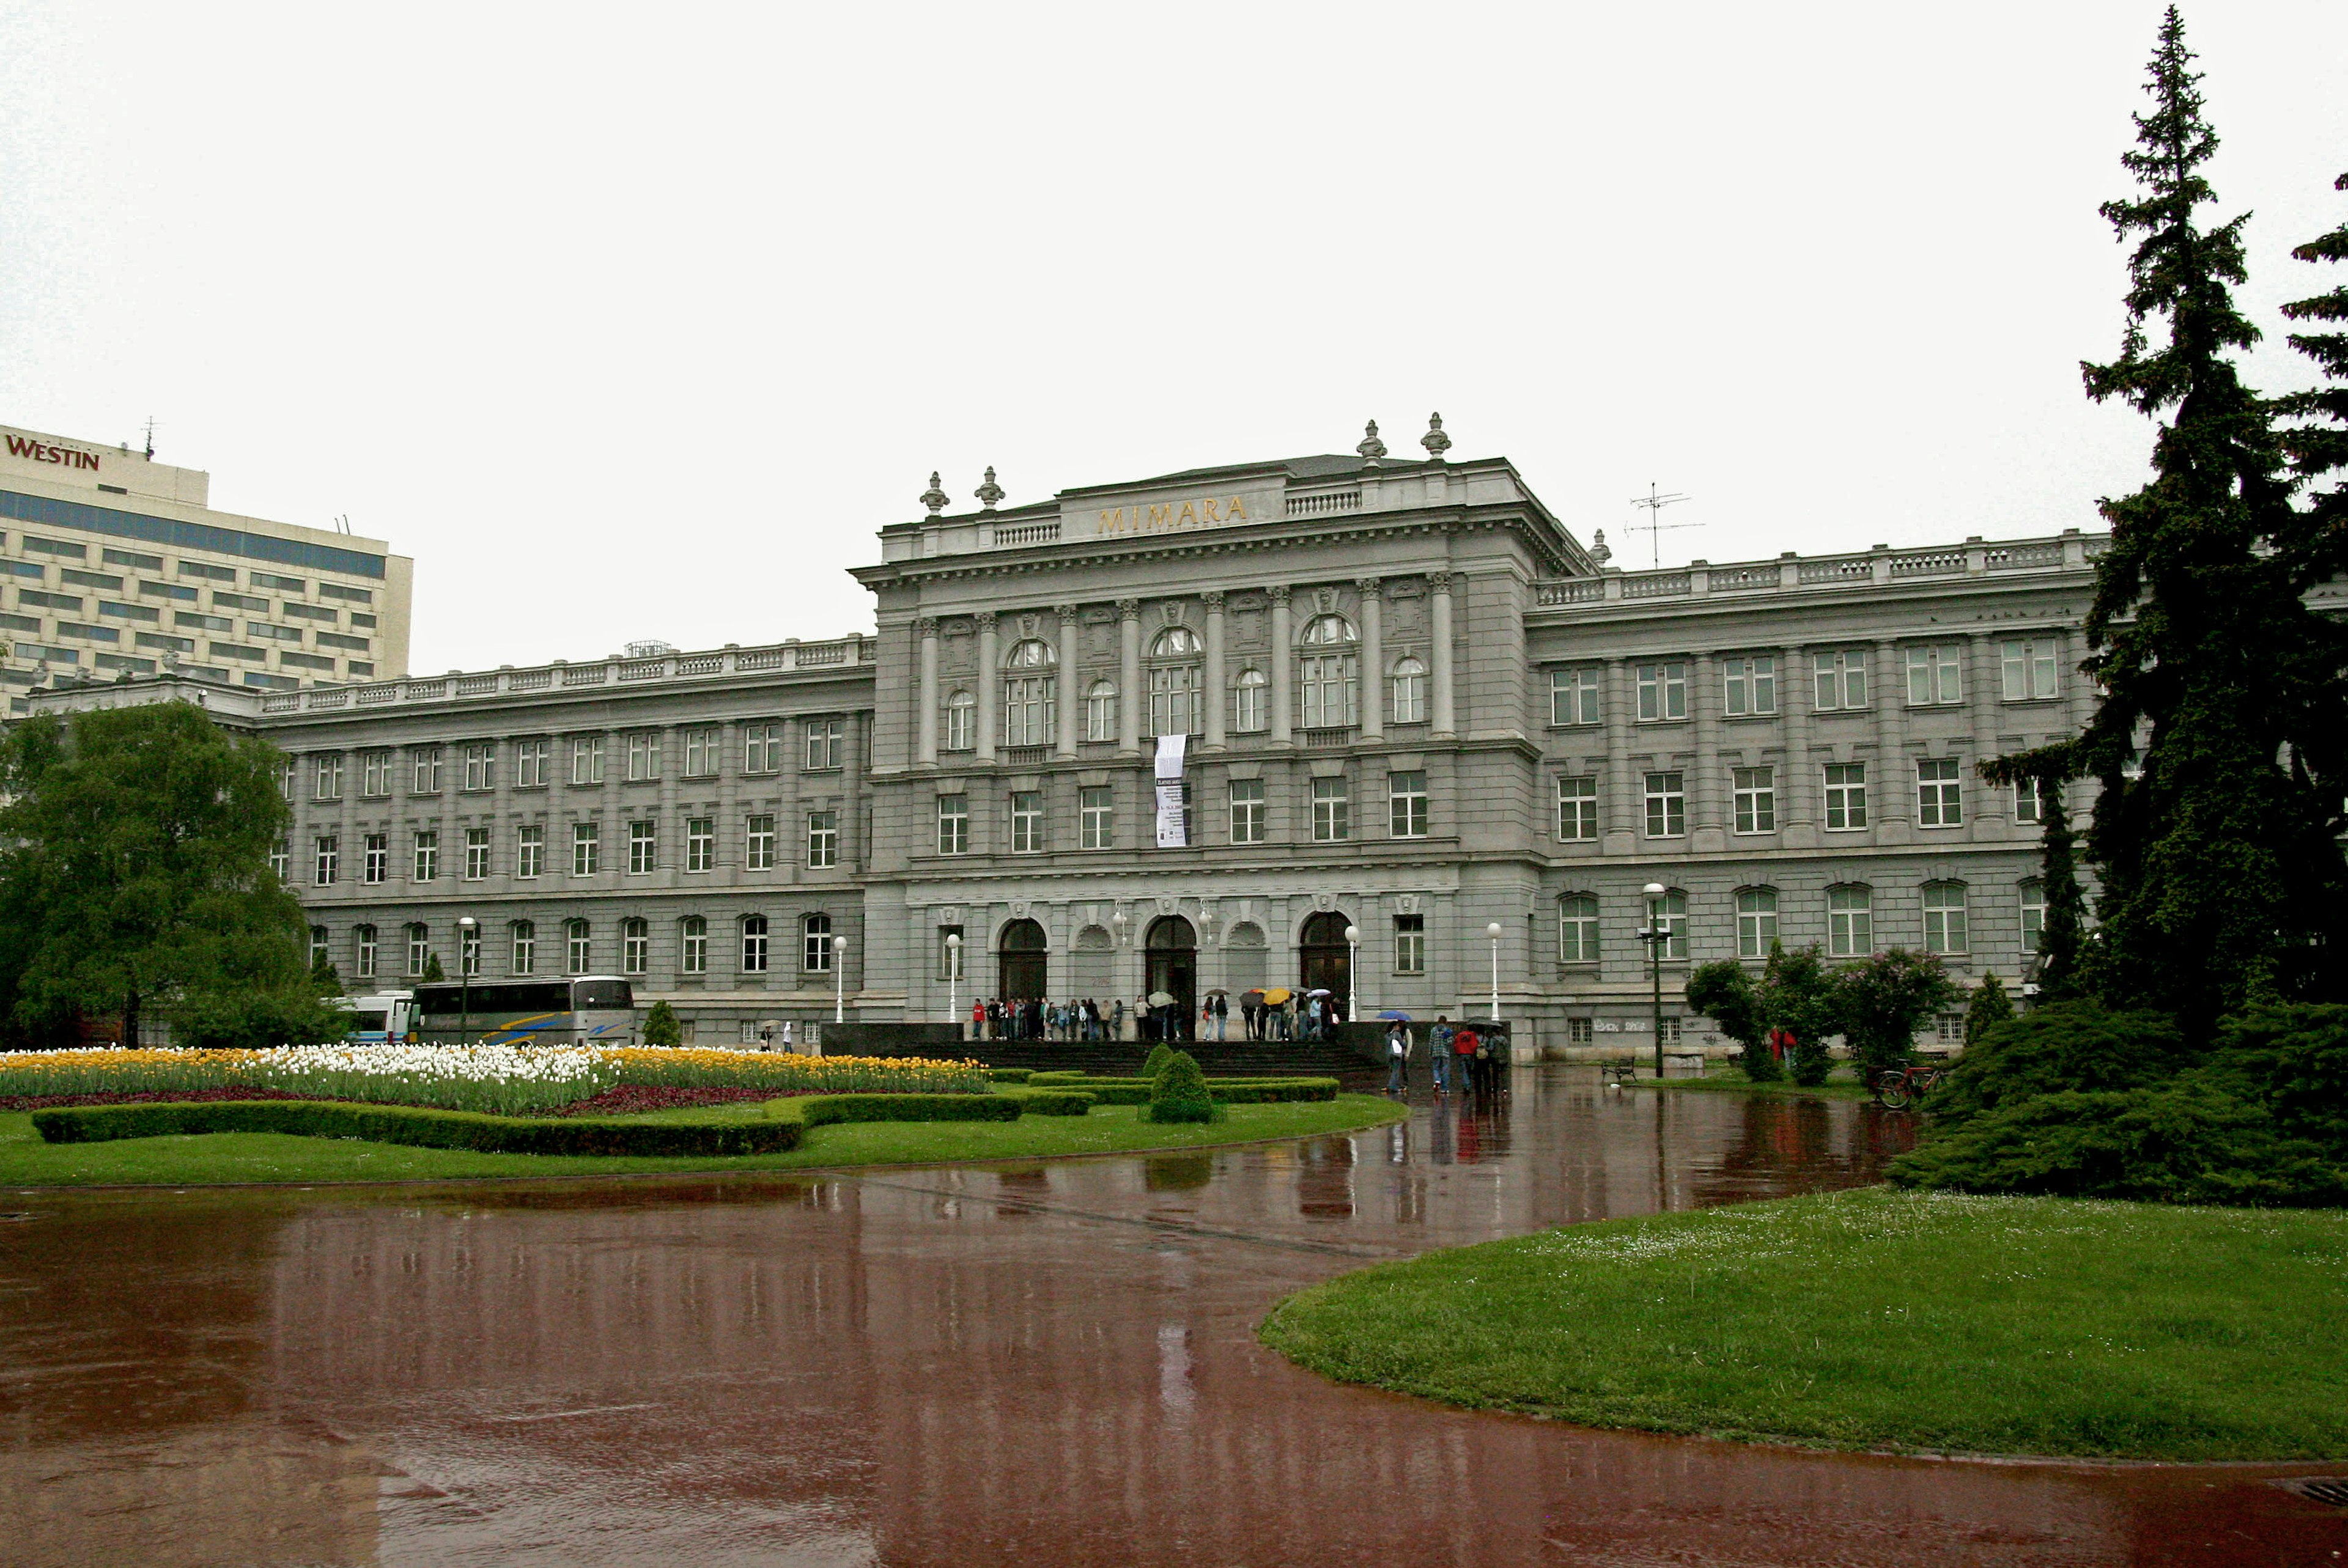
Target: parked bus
387, 1017
585, 1010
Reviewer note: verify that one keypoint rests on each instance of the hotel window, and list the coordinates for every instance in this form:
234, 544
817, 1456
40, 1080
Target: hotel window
482, 765
1247, 811
1577, 808
1940, 799
424, 865
1757, 921
530, 758
635, 946
754, 944
1755, 799
420, 949
1095, 818
1248, 702
423, 774
521, 956
1410, 944
822, 840
1666, 806
2028, 667
469, 950
327, 857
961, 722
1026, 821
1408, 686
1935, 675
1846, 795
1841, 679
530, 850
1752, 685
762, 748
1174, 708
368, 951
1671, 910
1332, 681
827, 742
329, 777
2033, 895
758, 843
704, 749
377, 865
1850, 922
815, 944
587, 760
1332, 810
1100, 712
1944, 917
693, 945
321, 942
700, 843
1662, 693
1029, 695
1577, 928
586, 849
1574, 696
476, 854
577, 950
953, 824
2029, 806
1406, 805
375, 774
281, 859
644, 848
644, 755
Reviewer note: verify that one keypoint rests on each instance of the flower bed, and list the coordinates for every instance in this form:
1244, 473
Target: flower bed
635, 1099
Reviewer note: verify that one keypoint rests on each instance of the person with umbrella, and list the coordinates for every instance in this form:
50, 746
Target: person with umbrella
1398, 1060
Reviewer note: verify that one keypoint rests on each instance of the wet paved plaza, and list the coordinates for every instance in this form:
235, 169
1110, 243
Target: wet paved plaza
1041, 1364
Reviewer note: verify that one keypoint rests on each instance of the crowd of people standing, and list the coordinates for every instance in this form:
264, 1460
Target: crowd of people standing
1460, 1057
1313, 1015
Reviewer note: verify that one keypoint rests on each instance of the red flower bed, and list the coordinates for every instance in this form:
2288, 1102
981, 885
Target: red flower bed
630, 1098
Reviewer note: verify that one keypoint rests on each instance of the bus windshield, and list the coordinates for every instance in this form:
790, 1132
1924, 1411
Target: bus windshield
602, 996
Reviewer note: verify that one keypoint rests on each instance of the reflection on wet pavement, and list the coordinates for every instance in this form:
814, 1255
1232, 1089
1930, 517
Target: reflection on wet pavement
1035, 1363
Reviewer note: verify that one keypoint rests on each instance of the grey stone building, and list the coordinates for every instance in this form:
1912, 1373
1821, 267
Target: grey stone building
1412, 704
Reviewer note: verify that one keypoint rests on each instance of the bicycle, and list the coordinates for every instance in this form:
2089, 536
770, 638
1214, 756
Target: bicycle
1895, 1087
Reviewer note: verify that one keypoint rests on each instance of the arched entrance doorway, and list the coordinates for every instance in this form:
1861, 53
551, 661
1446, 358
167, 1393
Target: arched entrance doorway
1327, 959
1020, 962
1173, 950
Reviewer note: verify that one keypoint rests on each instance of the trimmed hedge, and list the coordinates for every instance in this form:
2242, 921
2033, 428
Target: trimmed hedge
426, 1129
1226, 1090
1055, 1102
1009, 1074
823, 1110
1057, 1075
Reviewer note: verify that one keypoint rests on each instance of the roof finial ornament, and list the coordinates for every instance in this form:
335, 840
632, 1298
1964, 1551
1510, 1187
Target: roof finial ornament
1436, 442
1372, 448
990, 492
933, 498
1599, 549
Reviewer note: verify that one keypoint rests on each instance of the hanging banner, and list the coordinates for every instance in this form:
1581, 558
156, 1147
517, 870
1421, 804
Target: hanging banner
1173, 824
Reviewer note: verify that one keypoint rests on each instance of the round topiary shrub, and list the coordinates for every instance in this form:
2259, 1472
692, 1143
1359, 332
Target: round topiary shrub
1154, 1063
1179, 1092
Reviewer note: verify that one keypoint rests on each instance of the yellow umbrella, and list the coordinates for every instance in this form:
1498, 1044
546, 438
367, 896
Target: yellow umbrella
1277, 995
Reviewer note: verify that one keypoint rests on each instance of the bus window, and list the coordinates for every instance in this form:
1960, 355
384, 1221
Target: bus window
602, 996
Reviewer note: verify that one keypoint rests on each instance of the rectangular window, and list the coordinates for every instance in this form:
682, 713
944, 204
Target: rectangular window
1095, 819
644, 755
1662, 693
758, 843
1666, 806
576, 939
1846, 795
329, 777
329, 856
1757, 922
585, 849
701, 752
953, 824
1850, 922
1332, 810
482, 765
1946, 919
1841, 679
587, 760
375, 774
1756, 799
2028, 806
424, 864
1749, 685
693, 945
1670, 915
524, 957
424, 775
1410, 944
643, 847
2028, 667
1579, 1032
419, 948
700, 843
827, 742
1577, 930
1574, 696
1026, 821
1940, 801
753, 945
530, 758
132, 559
636, 947
822, 840
1246, 703
2034, 914
476, 854
1577, 808
281, 860
1935, 675
468, 949
378, 858
1247, 811
762, 748
368, 952
530, 850
1407, 804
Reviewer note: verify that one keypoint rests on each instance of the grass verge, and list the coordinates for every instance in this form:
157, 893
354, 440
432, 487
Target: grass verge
1728, 1080
1874, 1319
213, 1158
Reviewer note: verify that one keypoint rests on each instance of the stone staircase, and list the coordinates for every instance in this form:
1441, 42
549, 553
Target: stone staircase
1230, 1059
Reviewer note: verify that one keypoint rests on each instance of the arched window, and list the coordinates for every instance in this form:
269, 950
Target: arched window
576, 948
1247, 702
1945, 917
1029, 693
2033, 895
1327, 631
1174, 705
1408, 686
961, 722
419, 948
521, 952
815, 944
1176, 642
1850, 922
1332, 674
367, 948
1577, 928
1757, 921
1100, 712
693, 945
635, 946
754, 944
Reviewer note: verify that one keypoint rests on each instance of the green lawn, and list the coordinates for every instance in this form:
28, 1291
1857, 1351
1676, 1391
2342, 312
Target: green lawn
1879, 1320
26, 1162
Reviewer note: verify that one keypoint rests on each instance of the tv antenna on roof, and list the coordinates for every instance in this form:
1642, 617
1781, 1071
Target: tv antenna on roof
150, 438
1654, 526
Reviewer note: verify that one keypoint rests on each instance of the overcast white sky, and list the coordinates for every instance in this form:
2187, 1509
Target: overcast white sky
638, 322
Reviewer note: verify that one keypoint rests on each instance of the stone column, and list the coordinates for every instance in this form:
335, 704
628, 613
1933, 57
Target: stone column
1438, 583
1981, 802
1801, 791
1283, 666
1072, 696
501, 824
990, 700
1891, 783
1130, 696
1217, 693
1706, 829
671, 832
733, 835
611, 834
1373, 659
1621, 803
925, 716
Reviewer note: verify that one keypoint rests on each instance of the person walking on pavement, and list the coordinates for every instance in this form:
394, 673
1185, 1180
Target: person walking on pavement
1463, 1055
1398, 1060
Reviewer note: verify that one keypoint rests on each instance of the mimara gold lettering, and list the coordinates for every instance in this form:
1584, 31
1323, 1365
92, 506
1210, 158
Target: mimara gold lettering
1195, 512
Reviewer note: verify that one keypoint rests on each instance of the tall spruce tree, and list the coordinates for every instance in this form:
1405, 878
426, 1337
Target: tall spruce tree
2220, 882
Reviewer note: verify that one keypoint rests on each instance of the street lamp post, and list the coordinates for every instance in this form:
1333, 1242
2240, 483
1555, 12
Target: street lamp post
1352, 955
466, 926
1655, 936
839, 980
1117, 920
953, 982
1493, 931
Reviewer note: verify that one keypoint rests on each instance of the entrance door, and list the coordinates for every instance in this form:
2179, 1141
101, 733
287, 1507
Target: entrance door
1020, 962
1173, 949
1327, 960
